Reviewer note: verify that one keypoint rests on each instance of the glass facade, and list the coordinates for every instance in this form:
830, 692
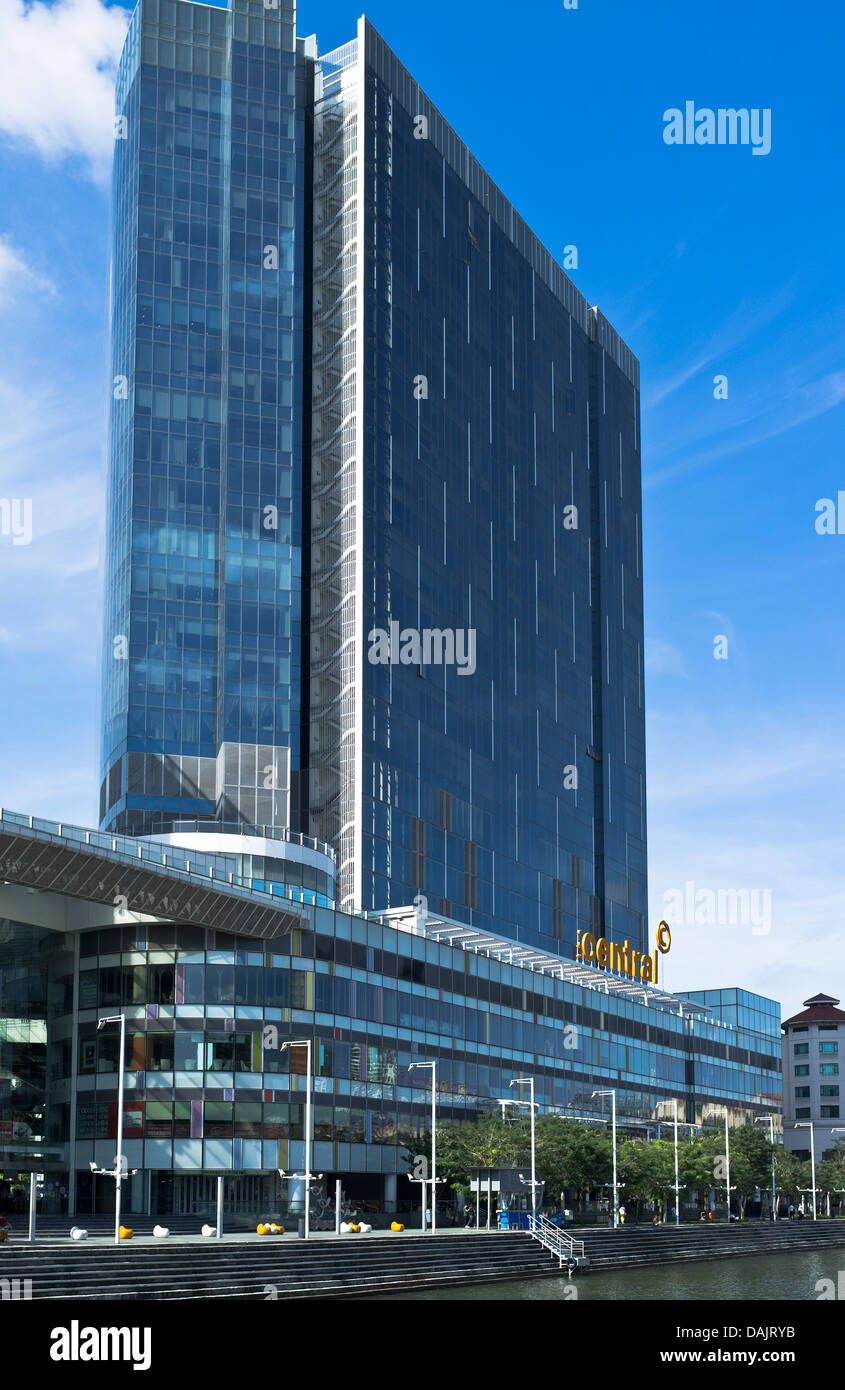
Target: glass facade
203, 583
209, 1089
353, 392
501, 493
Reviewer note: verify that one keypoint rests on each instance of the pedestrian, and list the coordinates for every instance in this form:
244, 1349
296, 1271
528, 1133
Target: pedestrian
792, 1211
469, 1216
622, 1215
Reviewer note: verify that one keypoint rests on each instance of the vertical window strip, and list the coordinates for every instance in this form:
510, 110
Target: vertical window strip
536, 598
444, 521
444, 196
573, 626
468, 320
538, 747
469, 460
534, 305
554, 540
556, 718
535, 448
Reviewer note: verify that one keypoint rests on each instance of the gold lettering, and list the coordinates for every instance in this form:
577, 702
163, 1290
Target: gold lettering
588, 946
602, 952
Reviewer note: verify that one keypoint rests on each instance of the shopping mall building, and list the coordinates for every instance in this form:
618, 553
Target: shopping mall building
210, 962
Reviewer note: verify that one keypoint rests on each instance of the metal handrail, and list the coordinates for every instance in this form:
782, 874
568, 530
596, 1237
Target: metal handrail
563, 1246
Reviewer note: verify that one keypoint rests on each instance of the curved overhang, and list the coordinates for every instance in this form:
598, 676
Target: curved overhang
95, 868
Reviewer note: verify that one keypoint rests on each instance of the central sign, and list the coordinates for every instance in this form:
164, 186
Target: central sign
637, 965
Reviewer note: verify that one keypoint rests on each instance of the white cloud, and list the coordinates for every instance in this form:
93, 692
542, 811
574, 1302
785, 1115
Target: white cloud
750, 804
57, 68
16, 275
663, 658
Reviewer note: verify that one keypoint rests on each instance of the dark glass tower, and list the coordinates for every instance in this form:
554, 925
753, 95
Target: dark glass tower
447, 436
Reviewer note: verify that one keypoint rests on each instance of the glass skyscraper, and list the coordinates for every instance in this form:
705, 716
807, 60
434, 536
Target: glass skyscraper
354, 395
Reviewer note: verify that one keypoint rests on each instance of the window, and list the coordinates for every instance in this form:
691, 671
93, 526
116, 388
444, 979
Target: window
828, 1047
830, 1112
802, 1071
830, 1091
800, 1030
803, 1113
802, 1093
829, 1069
802, 1049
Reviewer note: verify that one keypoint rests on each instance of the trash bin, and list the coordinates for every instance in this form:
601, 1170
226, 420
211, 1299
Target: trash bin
302, 1227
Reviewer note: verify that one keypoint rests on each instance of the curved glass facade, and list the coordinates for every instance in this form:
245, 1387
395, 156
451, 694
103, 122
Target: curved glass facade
208, 1089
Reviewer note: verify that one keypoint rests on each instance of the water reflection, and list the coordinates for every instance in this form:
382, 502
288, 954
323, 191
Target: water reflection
776, 1278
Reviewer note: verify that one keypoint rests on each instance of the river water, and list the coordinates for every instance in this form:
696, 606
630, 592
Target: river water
792, 1277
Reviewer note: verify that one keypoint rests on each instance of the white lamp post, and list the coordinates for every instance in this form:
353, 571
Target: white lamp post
612, 1095
770, 1121
433, 1066
808, 1124
677, 1180
518, 1082
308, 1175
119, 1169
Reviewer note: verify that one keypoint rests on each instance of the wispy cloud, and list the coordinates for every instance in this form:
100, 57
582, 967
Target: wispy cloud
753, 803
57, 67
663, 658
784, 404
742, 325
16, 277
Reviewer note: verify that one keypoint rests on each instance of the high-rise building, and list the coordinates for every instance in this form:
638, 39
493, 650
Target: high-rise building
374, 541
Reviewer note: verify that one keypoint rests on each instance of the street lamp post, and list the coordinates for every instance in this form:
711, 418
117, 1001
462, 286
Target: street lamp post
808, 1124
433, 1066
612, 1095
306, 1043
677, 1181
518, 1082
119, 1160
770, 1121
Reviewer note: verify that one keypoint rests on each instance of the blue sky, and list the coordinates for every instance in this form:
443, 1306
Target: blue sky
708, 260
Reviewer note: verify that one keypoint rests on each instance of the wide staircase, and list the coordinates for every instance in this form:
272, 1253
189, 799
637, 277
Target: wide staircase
635, 1247
283, 1268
